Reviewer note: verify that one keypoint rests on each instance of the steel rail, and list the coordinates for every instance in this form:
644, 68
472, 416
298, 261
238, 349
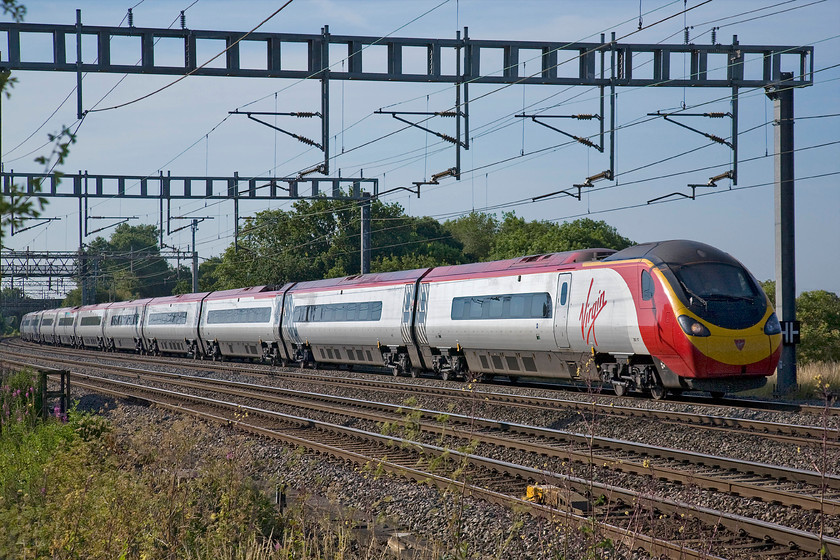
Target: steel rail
268, 370
792, 433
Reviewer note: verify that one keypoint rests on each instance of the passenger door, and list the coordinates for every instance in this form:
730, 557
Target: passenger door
561, 309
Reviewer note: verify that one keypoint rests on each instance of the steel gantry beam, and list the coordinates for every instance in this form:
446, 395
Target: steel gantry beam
561, 63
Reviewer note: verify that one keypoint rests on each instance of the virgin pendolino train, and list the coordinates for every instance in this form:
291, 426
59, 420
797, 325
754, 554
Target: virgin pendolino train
655, 317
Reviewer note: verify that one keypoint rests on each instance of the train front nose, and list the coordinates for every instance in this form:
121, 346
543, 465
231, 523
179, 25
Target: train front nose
738, 354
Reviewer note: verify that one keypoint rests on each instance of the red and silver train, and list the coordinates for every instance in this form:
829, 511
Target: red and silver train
656, 317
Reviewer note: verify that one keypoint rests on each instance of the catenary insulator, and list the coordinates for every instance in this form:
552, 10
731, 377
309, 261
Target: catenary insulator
714, 35
716, 115
446, 114
584, 117
183, 20
685, 32
130, 18
303, 114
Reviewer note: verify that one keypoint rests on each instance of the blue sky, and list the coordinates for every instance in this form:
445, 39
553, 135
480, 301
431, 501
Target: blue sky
184, 129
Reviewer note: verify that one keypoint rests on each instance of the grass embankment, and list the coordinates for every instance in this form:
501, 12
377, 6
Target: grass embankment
814, 381
80, 487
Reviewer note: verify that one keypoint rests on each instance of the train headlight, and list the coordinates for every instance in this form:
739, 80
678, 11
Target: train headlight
772, 325
692, 327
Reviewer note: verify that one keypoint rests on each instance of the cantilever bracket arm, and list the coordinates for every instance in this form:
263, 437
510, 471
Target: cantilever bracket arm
395, 114
415, 190
41, 222
669, 117
298, 137
711, 183
581, 139
120, 218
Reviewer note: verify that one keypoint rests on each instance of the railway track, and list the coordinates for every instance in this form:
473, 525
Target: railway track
794, 434
502, 482
790, 487
263, 369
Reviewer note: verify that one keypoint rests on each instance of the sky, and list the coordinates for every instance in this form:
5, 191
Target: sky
186, 129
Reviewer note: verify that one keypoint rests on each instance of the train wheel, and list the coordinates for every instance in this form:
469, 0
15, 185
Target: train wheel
717, 395
514, 379
657, 392
446, 375
619, 388
415, 372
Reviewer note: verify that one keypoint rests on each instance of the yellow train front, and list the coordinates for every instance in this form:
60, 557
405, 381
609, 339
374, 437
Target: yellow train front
707, 323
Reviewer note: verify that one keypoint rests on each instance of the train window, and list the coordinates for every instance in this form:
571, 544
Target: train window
648, 287
242, 315
124, 320
170, 318
65, 322
338, 312
46, 322
502, 306
90, 321
564, 293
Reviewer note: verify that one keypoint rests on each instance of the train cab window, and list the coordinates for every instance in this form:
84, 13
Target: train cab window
564, 293
648, 287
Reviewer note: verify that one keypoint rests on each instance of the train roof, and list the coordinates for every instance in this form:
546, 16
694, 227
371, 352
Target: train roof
181, 298
253, 291
676, 251
519, 265
361, 280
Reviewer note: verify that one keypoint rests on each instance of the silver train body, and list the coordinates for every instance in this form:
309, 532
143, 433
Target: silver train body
586, 314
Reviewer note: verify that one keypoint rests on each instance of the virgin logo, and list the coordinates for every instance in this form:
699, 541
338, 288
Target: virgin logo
589, 312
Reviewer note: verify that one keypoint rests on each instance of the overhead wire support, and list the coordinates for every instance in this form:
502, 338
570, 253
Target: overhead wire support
41, 222
712, 182
442, 136
299, 114
670, 118
120, 220
582, 117
603, 175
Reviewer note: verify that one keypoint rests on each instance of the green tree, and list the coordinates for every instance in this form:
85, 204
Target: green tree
127, 266
517, 237
321, 239
476, 232
819, 313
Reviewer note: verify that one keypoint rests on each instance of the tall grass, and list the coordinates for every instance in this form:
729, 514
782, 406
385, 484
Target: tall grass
811, 379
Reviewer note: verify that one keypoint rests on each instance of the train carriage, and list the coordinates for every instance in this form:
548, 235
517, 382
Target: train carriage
170, 324
27, 326
90, 324
65, 329
506, 317
241, 323
123, 325
356, 320
49, 318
